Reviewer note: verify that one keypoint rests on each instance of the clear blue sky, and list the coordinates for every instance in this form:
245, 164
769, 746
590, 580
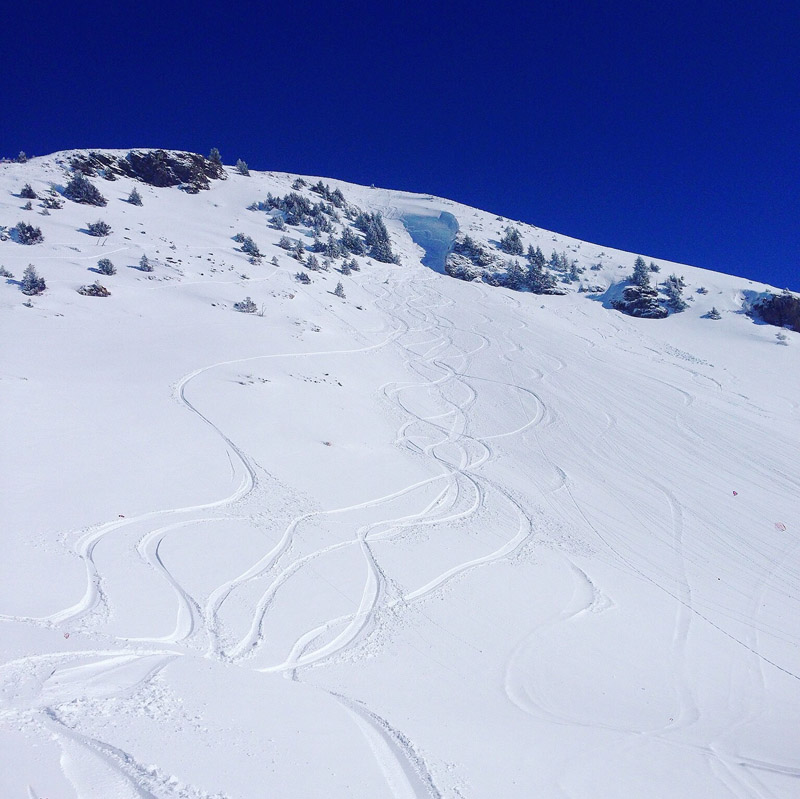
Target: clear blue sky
671, 129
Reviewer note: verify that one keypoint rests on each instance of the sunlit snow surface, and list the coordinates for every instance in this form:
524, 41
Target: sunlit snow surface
458, 541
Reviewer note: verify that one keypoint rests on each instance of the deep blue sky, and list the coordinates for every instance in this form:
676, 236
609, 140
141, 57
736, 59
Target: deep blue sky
671, 129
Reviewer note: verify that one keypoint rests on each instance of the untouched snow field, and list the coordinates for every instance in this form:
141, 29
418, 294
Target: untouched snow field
436, 539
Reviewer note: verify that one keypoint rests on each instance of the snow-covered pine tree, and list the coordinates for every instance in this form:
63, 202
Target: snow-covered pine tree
31, 283
105, 267
134, 198
641, 274
80, 190
339, 290
511, 242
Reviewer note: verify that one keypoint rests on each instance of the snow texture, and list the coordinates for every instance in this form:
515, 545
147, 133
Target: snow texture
437, 539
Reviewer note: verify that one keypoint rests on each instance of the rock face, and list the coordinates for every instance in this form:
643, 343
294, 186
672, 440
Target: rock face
190, 171
641, 301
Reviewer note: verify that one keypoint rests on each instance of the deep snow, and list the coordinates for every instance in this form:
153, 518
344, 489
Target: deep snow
437, 539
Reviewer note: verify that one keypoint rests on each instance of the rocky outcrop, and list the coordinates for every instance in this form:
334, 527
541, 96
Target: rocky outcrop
640, 301
161, 168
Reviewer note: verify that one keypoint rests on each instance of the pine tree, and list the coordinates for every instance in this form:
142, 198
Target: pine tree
105, 267
673, 286
145, 265
28, 234
215, 157
511, 242
515, 276
346, 270
134, 198
80, 190
241, 168
641, 274
99, 228
27, 193
714, 314
31, 283
339, 290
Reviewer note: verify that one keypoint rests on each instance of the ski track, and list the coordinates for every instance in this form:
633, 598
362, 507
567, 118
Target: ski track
440, 354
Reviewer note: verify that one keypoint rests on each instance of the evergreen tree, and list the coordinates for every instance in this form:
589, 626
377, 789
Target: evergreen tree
215, 157
105, 267
134, 198
641, 274
674, 288
80, 190
515, 276
346, 270
241, 168
339, 290
28, 234
511, 242
27, 193
31, 283
714, 314
145, 265
312, 263
99, 228
302, 277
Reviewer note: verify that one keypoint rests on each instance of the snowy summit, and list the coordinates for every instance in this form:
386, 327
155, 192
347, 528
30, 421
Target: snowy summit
313, 489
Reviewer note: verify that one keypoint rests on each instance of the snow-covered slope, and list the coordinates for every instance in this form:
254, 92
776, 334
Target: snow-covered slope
432, 539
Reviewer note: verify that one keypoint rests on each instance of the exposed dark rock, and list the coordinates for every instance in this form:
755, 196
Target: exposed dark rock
160, 168
640, 301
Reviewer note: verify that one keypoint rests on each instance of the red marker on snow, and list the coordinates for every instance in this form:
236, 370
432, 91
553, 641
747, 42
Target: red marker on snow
735, 493
66, 635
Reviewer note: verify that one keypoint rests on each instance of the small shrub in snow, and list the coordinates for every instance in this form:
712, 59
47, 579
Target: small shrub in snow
28, 234
98, 228
285, 243
134, 198
299, 184
245, 306
654, 267
275, 260
248, 245
702, 290
32, 283
714, 314
21, 158
277, 222
4, 272
80, 190
354, 265
346, 270
27, 192
28, 206
302, 277
241, 168
339, 290
215, 157
145, 265
95, 290
105, 267
782, 338
312, 263
52, 202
